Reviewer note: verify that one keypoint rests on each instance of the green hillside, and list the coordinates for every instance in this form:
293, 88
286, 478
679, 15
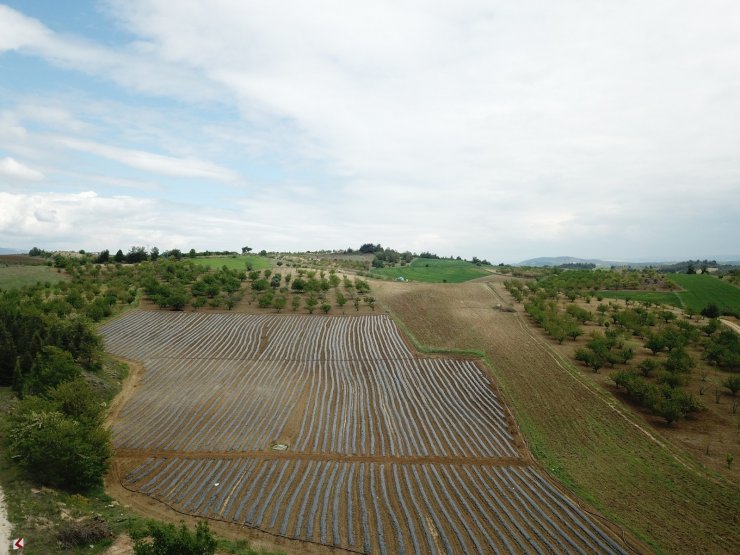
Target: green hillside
432, 270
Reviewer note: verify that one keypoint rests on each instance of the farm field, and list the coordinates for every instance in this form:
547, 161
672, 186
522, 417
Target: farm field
383, 452
22, 260
698, 291
432, 270
701, 290
657, 297
238, 262
13, 276
596, 447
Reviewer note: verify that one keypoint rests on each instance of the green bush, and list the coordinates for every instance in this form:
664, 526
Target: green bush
57, 450
59, 440
167, 539
51, 367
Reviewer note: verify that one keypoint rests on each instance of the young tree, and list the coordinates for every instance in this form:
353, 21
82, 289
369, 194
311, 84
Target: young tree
177, 298
118, 257
311, 303
574, 332
265, 300
326, 307
647, 367
295, 302
669, 409
260, 284
655, 343
679, 361
279, 302
732, 383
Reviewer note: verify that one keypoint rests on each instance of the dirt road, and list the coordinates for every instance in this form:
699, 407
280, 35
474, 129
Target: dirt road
4, 527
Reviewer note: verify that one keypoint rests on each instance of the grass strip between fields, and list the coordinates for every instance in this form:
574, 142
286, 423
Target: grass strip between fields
426, 349
14, 276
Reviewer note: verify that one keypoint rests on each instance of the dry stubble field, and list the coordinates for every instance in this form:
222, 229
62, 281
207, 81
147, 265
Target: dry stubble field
387, 452
594, 444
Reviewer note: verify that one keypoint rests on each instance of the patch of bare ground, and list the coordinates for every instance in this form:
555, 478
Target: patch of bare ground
127, 390
121, 546
638, 473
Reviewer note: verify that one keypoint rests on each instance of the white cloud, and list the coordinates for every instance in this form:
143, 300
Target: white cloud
64, 219
9, 167
132, 67
472, 127
156, 163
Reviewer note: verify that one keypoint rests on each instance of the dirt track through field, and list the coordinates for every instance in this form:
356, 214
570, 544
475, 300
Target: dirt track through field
387, 452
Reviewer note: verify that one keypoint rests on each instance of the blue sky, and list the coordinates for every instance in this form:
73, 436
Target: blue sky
497, 129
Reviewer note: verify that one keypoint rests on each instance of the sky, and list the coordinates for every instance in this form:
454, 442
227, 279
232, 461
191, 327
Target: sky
498, 129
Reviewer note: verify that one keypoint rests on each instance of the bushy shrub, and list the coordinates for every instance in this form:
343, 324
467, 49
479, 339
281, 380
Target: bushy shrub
58, 440
167, 539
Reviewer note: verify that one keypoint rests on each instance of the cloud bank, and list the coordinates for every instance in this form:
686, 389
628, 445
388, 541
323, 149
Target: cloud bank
489, 128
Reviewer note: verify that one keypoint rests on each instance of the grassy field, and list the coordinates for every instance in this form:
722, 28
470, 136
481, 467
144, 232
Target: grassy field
432, 270
22, 259
17, 276
237, 262
701, 290
657, 297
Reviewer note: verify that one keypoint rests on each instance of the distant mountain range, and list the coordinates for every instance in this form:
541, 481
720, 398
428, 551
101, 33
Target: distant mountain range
5, 250
559, 260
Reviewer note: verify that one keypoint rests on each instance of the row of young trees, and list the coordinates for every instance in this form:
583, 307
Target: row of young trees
308, 289
576, 283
